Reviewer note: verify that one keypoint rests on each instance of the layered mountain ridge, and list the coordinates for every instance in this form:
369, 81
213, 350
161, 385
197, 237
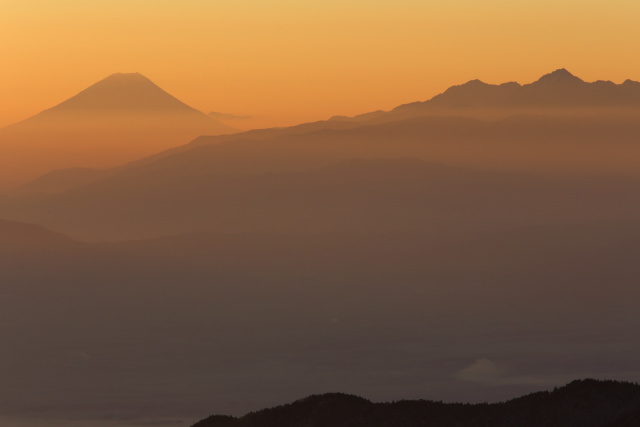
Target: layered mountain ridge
240, 181
414, 255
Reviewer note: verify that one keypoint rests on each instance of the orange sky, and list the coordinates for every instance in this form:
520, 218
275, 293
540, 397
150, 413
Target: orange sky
286, 61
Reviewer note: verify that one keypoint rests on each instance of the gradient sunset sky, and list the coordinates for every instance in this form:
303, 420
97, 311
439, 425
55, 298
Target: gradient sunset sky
285, 61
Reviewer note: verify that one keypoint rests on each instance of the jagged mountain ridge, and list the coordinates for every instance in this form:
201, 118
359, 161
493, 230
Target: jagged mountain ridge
585, 403
559, 89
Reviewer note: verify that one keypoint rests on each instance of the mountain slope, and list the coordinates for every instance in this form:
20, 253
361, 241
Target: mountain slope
538, 144
118, 119
519, 143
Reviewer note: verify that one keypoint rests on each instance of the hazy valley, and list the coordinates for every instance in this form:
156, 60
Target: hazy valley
475, 247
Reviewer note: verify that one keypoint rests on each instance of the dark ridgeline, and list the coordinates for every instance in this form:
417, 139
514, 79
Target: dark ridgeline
586, 403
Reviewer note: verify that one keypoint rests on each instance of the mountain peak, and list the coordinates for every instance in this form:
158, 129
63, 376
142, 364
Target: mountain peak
475, 82
561, 72
123, 92
560, 75
126, 77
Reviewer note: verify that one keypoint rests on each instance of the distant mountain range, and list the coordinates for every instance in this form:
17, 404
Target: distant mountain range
586, 403
559, 91
126, 117
119, 119
341, 175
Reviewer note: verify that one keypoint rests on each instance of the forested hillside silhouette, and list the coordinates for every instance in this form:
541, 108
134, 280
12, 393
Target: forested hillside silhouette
584, 403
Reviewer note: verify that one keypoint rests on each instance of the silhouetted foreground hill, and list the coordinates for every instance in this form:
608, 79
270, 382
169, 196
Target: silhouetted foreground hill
586, 403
